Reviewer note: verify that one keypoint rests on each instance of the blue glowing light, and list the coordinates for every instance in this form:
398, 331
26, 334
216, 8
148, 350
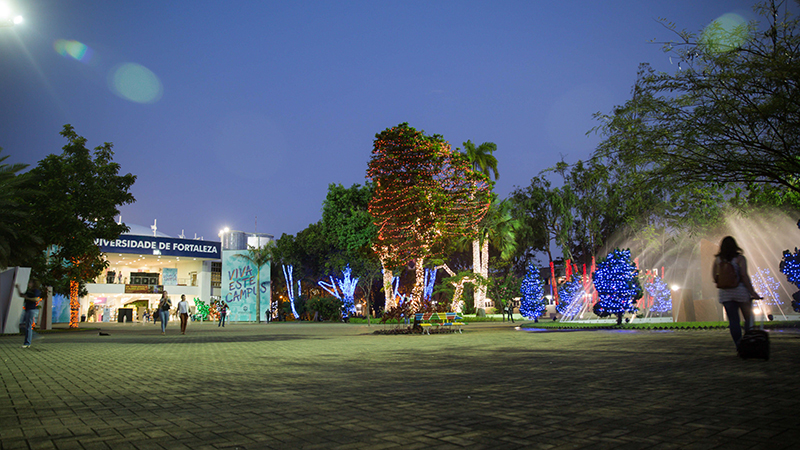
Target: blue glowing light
287, 275
790, 266
616, 281
661, 295
571, 296
532, 305
344, 289
766, 286
430, 280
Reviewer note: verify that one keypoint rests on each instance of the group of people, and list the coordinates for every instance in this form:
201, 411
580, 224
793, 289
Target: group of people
165, 305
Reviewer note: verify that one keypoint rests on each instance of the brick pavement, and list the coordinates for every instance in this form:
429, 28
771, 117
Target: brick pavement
311, 386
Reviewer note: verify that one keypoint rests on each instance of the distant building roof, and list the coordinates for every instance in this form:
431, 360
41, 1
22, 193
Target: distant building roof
140, 230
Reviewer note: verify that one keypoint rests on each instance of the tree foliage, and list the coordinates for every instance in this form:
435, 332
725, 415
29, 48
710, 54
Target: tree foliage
425, 194
19, 246
728, 115
79, 193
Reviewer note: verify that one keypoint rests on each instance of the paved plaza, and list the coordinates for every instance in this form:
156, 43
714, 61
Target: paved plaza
304, 385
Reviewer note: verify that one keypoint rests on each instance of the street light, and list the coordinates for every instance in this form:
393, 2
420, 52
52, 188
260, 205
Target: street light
6, 17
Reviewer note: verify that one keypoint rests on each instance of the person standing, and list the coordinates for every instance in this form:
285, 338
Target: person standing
183, 310
739, 297
163, 311
510, 310
223, 313
31, 297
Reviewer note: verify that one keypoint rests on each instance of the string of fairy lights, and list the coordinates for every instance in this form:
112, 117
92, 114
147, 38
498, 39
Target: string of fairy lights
343, 289
425, 194
616, 281
532, 304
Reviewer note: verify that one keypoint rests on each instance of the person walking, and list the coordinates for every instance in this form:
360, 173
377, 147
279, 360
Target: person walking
223, 313
735, 295
163, 311
183, 310
31, 298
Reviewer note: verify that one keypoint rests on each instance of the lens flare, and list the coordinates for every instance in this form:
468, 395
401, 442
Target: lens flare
136, 83
73, 49
728, 32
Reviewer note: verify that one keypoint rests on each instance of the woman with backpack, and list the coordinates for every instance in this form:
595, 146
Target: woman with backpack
734, 287
164, 306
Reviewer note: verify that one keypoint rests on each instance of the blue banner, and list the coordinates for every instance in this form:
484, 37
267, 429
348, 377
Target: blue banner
153, 245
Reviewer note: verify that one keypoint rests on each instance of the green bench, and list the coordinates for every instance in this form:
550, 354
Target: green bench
442, 319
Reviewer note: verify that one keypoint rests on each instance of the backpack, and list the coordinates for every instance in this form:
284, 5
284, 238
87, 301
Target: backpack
727, 275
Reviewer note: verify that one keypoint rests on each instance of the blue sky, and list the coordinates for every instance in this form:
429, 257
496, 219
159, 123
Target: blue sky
231, 110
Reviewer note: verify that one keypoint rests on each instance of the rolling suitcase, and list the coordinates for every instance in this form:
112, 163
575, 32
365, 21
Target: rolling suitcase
754, 344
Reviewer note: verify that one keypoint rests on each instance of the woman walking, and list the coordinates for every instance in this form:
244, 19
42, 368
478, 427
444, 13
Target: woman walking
31, 297
183, 310
164, 306
734, 287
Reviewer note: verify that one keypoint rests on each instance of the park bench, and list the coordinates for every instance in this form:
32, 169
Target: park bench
441, 319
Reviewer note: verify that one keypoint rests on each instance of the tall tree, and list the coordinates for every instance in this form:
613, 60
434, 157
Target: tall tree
426, 195
345, 215
79, 196
18, 244
546, 213
729, 114
483, 160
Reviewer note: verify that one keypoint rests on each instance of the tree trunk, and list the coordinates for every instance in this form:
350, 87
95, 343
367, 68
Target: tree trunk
419, 284
484, 269
388, 276
479, 296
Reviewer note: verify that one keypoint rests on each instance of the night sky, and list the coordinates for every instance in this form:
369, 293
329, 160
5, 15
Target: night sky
228, 111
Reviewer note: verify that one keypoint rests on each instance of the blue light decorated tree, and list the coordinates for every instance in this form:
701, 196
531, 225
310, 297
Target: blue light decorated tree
532, 305
344, 289
287, 275
790, 266
616, 281
661, 295
570, 296
766, 286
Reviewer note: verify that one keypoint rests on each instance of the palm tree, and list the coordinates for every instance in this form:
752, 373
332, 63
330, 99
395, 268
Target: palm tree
482, 158
483, 161
18, 244
259, 257
498, 228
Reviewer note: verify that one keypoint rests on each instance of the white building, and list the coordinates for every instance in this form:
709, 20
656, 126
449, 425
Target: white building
142, 265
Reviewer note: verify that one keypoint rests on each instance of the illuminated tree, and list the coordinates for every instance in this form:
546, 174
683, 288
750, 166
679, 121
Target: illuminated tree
290, 292
570, 296
533, 304
616, 281
344, 289
426, 196
790, 266
661, 295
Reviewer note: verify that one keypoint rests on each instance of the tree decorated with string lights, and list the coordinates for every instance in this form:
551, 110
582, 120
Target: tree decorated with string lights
426, 196
532, 305
790, 266
661, 295
570, 295
616, 281
343, 289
